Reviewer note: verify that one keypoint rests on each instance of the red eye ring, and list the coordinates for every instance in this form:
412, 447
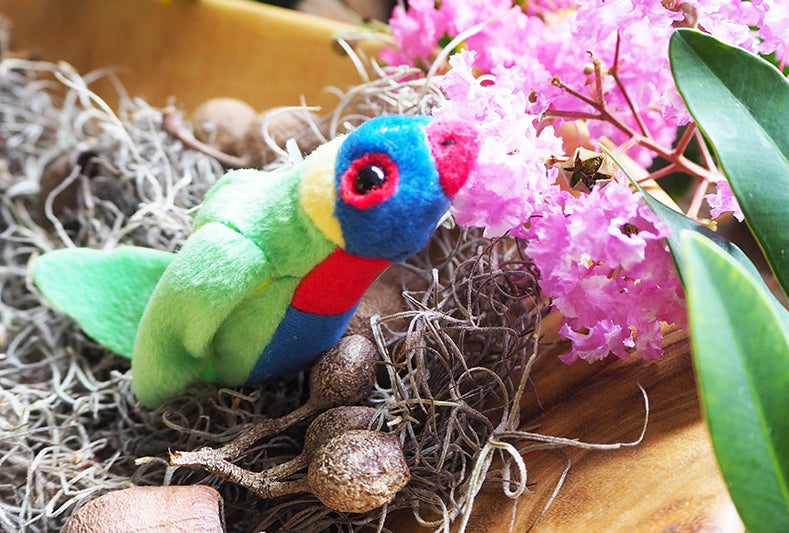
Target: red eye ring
369, 180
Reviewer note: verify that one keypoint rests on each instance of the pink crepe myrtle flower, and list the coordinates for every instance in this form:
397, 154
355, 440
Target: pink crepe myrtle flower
603, 260
510, 183
728, 20
602, 256
773, 26
416, 30
724, 201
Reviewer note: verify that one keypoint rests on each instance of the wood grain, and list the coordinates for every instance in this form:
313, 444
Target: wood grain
668, 483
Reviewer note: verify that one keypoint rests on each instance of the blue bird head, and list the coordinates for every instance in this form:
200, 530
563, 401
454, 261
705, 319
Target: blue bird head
395, 177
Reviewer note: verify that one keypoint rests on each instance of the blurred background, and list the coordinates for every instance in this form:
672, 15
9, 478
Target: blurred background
356, 11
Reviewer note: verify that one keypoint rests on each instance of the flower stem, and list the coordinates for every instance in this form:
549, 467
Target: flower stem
675, 157
614, 72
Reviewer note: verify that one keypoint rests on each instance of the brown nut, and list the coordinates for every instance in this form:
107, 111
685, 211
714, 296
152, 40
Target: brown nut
333, 422
358, 471
344, 374
281, 125
222, 123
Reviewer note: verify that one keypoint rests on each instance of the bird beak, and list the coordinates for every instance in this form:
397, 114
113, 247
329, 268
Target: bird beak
455, 147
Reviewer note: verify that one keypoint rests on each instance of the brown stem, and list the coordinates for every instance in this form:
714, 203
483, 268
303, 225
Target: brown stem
602, 114
261, 483
572, 114
265, 428
682, 162
675, 157
288, 468
705, 153
665, 171
698, 196
172, 125
598, 78
614, 72
559, 83
684, 141
679, 162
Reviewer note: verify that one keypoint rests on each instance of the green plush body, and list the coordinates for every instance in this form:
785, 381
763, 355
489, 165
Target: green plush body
276, 263
212, 323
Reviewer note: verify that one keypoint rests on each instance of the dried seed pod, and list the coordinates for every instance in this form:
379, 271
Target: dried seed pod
333, 422
344, 374
358, 471
223, 123
352, 470
586, 167
187, 509
326, 426
281, 124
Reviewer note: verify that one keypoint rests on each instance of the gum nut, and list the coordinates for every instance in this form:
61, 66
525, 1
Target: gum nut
222, 123
281, 126
344, 375
173, 509
336, 421
358, 471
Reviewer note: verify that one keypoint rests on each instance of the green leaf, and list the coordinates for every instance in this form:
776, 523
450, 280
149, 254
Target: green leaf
741, 352
741, 103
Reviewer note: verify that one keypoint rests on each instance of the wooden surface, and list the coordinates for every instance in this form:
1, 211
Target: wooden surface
668, 483
191, 50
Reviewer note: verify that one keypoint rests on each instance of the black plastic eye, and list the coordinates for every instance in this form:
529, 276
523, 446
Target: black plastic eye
369, 178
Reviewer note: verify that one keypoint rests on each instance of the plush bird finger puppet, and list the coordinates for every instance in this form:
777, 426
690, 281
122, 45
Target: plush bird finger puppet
276, 263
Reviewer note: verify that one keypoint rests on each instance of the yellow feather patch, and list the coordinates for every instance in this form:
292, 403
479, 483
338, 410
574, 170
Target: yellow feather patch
317, 190
264, 284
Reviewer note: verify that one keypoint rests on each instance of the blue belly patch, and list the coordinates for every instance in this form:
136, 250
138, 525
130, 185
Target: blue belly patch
298, 340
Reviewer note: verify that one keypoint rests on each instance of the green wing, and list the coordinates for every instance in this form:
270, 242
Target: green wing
216, 270
105, 292
216, 303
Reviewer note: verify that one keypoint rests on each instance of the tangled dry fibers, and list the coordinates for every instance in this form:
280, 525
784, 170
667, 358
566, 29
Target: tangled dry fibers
454, 363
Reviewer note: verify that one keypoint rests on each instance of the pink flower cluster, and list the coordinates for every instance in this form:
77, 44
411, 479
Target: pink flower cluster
602, 256
604, 261
723, 201
512, 153
773, 24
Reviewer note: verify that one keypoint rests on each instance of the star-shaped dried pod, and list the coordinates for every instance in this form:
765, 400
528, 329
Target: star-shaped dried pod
585, 168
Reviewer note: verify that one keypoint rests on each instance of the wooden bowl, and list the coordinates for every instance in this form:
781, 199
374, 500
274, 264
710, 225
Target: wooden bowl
191, 50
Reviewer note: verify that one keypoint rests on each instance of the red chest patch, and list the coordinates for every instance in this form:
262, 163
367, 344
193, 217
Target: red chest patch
336, 284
